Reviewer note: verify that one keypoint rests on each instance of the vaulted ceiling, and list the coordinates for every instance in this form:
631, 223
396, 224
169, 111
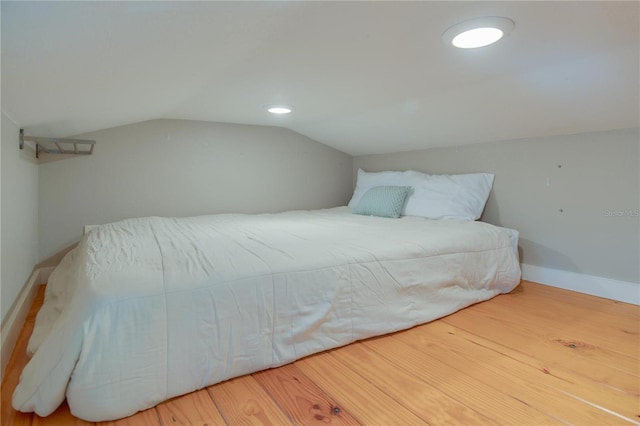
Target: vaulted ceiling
363, 77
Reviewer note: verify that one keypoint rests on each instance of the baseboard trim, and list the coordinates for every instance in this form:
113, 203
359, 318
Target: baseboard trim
621, 291
15, 320
45, 272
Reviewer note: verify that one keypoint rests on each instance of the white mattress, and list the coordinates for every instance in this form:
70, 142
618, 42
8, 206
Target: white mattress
147, 309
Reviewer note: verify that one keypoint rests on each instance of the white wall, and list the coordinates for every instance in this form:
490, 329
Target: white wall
574, 198
183, 168
19, 239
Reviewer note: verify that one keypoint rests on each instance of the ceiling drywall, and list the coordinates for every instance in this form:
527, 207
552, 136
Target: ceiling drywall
363, 77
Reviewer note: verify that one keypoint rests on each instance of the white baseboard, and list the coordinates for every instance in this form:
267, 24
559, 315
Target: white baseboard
622, 291
45, 272
15, 319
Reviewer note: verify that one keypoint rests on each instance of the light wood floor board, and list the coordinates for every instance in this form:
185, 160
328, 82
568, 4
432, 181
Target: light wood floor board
243, 401
539, 355
585, 301
467, 391
605, 328
146, 417
325, 370
552, 348
302, 399
199, 409
530, 385
410, 388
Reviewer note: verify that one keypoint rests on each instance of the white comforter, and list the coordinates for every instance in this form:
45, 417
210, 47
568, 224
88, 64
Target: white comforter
147, 309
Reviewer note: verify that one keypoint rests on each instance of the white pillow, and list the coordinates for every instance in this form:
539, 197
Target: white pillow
433, 196
366, 181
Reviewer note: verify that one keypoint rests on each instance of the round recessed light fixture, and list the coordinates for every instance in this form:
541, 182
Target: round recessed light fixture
279, 109
478, 32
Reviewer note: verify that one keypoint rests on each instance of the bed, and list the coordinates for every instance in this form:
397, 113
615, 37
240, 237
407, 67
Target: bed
146, 309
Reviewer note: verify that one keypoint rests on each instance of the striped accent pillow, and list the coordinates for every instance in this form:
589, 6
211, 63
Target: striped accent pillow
383, 201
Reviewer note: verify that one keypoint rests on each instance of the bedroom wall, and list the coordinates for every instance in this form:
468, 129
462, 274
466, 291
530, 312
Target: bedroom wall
574, 198
19, 194
184, 168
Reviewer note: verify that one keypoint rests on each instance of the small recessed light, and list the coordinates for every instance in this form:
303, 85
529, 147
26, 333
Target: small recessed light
478, 32
279, 109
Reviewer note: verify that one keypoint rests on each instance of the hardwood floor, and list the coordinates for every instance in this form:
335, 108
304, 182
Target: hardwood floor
538, 355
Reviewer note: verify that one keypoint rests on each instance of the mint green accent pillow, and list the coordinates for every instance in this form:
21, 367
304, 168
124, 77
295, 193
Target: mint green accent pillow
383, 201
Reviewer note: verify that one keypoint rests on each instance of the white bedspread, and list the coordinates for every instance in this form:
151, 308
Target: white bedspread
147, 309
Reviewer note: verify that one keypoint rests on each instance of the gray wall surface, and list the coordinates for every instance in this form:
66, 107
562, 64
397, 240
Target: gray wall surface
19, 220
185, 168
574, 198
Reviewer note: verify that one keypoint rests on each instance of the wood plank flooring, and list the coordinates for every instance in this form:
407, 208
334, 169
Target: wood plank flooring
538, 356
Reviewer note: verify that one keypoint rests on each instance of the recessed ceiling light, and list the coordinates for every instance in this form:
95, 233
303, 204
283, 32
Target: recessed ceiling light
478, 32
279, 109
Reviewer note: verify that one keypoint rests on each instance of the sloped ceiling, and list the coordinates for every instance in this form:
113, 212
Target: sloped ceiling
363, 77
